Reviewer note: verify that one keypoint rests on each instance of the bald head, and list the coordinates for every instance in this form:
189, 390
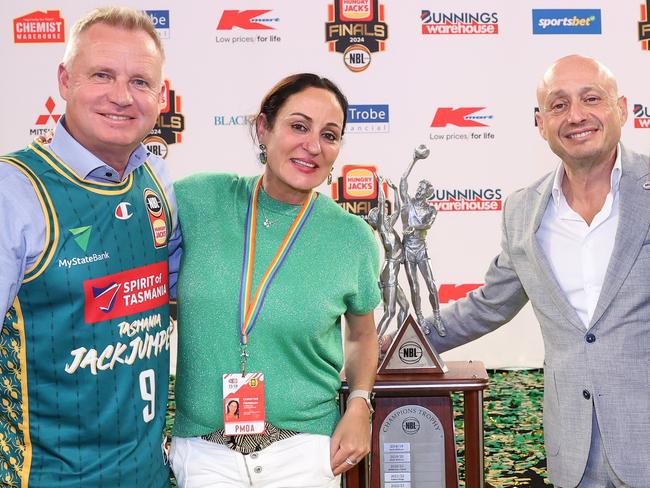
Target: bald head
581, 113
569, 67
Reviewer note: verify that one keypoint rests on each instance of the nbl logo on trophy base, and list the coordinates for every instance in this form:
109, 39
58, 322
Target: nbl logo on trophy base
356, 190
356, 28
169, 126
644, 27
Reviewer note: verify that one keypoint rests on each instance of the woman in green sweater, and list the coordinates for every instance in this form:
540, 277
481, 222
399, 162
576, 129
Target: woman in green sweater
269, 268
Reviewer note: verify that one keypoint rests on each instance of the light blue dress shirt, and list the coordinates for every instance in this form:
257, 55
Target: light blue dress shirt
22, 230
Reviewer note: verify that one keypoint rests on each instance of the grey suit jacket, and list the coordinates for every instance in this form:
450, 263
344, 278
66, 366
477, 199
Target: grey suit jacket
607, 366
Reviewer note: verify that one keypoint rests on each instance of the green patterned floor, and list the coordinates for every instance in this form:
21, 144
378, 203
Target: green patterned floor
514, 441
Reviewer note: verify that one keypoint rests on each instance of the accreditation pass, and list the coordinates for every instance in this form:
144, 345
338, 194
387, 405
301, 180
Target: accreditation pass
243, 403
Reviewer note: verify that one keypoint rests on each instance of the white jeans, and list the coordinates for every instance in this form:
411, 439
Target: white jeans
301, 461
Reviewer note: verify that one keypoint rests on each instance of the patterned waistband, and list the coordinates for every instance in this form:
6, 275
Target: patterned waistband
245, 444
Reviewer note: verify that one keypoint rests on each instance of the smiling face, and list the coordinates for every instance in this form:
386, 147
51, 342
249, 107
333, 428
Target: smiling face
302, 144
581, 114
113, 89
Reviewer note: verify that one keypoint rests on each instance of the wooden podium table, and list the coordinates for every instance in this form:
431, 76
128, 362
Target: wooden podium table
393, 390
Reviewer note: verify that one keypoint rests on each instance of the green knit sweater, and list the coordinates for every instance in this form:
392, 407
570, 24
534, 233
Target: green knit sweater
331, 269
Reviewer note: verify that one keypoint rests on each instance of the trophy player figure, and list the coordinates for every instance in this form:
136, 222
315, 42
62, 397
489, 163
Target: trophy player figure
417, 218
392, 294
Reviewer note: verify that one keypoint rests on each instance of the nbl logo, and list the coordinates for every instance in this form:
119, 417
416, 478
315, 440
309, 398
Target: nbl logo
410, 425
410, 352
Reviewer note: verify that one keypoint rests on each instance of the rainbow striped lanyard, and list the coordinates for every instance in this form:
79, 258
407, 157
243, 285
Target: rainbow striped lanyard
249, 309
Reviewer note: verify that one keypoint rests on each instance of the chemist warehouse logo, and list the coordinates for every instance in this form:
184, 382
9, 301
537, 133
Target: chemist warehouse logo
39, 27
467, 200
356, 28
566, 21
641, 116
125, 293
356, 189
367, 118
463, 23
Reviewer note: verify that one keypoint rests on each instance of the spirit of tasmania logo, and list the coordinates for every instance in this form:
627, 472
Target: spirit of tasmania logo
39, 27
356, 190
356, 28
644, 26
169, 126
641, 116
461, 23
125, 293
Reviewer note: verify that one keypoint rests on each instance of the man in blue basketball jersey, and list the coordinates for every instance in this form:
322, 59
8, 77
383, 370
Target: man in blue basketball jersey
89, 254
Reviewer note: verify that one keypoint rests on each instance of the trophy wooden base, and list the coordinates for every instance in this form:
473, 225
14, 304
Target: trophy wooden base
431, 391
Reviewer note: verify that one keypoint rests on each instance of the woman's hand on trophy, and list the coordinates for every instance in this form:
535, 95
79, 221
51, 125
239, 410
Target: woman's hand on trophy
351, 440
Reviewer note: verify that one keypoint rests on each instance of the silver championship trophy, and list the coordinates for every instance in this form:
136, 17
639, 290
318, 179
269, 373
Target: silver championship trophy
413, 439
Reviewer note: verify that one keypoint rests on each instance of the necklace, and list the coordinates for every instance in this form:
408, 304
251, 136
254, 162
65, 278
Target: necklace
267, 221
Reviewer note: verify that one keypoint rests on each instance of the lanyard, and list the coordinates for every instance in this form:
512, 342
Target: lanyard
249, 309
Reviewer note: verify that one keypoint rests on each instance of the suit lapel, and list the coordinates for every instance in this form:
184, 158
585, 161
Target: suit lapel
536, 203
633, 223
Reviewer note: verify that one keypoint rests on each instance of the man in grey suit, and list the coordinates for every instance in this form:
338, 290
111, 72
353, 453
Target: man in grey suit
576, 244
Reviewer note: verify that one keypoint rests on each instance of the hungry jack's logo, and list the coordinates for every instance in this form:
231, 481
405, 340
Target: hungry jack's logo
356, 190
356, 28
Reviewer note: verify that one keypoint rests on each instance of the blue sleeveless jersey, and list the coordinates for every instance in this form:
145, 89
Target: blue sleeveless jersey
84, 349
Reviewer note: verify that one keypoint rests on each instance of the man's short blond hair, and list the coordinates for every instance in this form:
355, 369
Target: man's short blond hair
122, 17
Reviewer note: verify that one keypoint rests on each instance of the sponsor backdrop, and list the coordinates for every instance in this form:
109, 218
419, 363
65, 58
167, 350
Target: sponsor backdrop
456, 75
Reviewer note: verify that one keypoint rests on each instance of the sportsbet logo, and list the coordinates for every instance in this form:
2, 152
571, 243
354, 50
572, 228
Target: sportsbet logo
359, 182
125, 293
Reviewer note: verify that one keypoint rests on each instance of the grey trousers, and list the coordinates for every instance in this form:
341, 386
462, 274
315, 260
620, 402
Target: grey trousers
599, 473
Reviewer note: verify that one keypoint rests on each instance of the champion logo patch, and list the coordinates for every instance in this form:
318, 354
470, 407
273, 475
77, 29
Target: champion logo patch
122, 211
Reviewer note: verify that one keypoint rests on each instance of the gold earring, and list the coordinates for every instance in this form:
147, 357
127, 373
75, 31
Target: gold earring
262, 155
329, 178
